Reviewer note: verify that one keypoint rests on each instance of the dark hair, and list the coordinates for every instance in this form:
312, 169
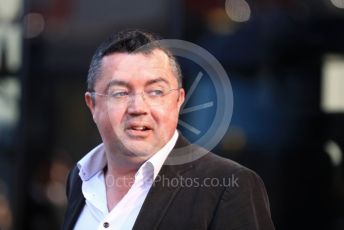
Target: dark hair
128, 41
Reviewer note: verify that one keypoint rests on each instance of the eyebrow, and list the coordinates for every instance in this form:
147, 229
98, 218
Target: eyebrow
127, 84
157, 80
117, 83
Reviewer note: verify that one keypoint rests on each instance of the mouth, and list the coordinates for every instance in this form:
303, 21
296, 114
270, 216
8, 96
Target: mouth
137, 130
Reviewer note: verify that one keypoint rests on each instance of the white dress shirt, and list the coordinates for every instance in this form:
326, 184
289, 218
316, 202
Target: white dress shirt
95, 214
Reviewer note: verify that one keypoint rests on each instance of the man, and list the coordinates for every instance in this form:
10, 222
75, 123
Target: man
135, 94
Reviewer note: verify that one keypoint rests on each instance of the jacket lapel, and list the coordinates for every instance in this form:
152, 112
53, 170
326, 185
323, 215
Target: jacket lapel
76, 203
162, 192
159, 197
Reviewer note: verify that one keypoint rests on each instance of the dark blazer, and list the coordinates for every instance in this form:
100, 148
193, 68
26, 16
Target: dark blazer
208, 193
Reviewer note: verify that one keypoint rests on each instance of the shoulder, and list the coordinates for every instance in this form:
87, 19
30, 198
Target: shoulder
204, 162
243, 202
213, 164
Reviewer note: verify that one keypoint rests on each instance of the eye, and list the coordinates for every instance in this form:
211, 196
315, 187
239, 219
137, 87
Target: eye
155, 93
119, 94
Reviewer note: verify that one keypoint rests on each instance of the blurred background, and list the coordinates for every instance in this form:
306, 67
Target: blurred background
285, 60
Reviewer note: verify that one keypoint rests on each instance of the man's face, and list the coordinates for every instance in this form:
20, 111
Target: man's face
139, 125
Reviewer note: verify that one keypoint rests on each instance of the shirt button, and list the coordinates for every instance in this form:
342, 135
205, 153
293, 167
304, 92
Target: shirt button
106, 224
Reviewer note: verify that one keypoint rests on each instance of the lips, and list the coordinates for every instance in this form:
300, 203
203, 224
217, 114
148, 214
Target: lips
138, 130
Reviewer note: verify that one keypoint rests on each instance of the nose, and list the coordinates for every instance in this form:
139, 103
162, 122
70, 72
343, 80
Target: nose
137, 105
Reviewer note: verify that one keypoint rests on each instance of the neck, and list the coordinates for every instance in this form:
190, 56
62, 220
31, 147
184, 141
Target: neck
119, 178
121, 167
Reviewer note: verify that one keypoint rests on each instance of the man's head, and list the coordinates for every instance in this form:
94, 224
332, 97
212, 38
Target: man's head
135, 94
131, 42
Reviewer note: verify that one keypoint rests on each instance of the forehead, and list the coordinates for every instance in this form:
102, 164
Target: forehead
137, 67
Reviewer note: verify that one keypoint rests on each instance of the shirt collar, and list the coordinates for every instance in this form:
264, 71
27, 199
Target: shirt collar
158, 159
95, 160
92, 162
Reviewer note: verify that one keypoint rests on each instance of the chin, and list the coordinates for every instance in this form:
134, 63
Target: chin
137, 149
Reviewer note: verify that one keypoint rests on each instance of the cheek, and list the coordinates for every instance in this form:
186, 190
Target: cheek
108, 121
115, 119
166, 117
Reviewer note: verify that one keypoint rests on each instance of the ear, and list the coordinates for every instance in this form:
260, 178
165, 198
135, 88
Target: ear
181, 97
90, 103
